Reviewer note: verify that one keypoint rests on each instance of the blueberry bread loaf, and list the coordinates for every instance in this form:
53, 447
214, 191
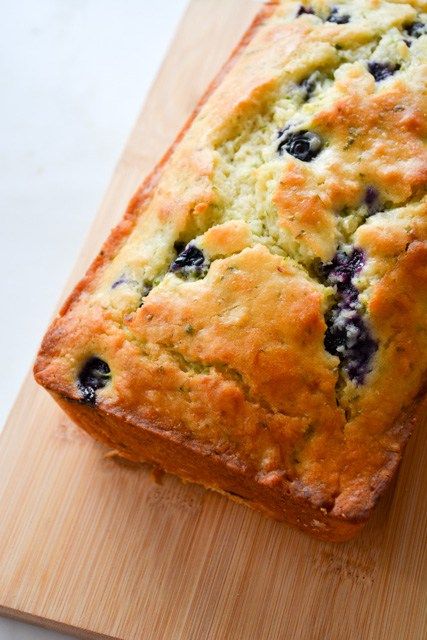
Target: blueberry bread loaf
258, 321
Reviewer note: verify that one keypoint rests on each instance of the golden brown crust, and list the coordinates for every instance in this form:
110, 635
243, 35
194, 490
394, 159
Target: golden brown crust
195, 462
224, 378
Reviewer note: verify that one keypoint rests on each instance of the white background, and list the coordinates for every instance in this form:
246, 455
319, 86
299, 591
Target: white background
73, 76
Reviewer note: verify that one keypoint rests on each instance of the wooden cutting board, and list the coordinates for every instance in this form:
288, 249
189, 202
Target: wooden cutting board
100, 550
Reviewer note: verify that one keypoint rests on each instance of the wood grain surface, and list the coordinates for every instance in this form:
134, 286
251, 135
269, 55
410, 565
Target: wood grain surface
102, 551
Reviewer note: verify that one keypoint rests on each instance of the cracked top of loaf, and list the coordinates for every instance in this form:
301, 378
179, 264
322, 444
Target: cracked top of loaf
268, 296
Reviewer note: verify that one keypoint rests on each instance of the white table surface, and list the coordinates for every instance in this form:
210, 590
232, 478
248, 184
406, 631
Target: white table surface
73, 76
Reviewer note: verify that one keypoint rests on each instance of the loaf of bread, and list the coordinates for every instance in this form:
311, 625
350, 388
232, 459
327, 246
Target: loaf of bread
257, 323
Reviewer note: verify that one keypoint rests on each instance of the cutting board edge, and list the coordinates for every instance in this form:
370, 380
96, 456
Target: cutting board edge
53, 625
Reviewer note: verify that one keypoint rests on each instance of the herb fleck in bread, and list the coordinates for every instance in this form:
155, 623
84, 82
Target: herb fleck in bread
258, 321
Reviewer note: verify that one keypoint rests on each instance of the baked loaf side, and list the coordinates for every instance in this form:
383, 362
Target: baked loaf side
257, 323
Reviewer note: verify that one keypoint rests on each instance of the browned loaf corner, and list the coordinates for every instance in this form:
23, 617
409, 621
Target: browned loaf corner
257, 321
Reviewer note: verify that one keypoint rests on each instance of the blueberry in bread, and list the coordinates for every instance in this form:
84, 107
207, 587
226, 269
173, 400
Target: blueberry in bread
257, 323
94, 375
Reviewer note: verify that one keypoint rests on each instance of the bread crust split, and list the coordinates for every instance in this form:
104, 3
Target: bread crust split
257, 321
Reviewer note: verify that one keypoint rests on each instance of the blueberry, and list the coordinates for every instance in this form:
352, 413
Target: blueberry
372, 201
334, 336
338, 18
416, 29
94, 375
371, 195
122, 280
360, 348
143, 289
303, 145
347, 334
309, 84
382, 70
302, 10
349, 338
190, 262
343, 267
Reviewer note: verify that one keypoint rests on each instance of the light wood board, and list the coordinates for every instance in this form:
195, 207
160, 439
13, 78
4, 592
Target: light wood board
100, 550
